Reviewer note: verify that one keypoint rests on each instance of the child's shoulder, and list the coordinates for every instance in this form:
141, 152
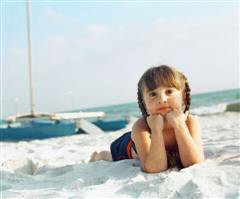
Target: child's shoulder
192, 118
139, 129
140, 124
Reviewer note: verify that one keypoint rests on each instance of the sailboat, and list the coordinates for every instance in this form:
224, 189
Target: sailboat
35, 125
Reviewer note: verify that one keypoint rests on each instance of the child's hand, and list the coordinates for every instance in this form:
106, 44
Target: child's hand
176, 117
155, 122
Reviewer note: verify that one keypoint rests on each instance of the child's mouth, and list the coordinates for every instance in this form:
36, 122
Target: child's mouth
163, 110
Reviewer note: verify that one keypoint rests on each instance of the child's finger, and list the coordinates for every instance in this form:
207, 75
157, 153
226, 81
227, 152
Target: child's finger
177, 110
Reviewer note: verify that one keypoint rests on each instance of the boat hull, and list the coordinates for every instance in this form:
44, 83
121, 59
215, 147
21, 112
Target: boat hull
37, 129
111, 125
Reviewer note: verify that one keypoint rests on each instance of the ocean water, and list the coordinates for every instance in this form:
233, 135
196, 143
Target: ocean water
201, 104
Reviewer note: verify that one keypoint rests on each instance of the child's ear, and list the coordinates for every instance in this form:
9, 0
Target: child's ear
145, 106
184, 95
184, 98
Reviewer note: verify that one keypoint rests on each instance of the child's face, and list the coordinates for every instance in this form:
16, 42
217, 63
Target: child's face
162, 100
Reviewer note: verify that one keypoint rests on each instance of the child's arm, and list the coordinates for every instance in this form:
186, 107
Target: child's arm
188, 137
151, 152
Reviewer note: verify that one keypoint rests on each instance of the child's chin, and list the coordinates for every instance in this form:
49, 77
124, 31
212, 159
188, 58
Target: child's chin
164, 113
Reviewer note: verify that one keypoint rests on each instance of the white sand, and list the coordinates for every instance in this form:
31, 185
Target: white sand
58, 168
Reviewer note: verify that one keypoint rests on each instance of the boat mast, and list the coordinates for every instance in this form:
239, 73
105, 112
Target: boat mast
30, 56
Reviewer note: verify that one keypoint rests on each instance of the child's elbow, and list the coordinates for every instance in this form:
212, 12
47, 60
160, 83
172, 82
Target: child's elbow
154, 169
199, 159
196, 161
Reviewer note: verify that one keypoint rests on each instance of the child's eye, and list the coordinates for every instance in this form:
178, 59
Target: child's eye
169, 91
152, 94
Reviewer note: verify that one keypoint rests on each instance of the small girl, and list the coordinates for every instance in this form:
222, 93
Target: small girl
166, 135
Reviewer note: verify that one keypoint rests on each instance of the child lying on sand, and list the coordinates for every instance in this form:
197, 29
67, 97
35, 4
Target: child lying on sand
166, 135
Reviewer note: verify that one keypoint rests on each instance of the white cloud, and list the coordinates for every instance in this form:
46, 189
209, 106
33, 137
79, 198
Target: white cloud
52, 14
59, 40
97, 30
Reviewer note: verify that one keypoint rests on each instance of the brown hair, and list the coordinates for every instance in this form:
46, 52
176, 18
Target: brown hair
165, 76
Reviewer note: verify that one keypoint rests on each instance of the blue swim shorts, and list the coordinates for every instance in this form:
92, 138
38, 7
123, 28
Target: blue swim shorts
121, 147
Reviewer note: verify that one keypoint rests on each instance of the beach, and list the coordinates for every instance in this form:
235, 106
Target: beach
59, 168
62, 59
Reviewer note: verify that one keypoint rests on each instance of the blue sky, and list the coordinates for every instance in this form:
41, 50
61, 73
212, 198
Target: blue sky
88, 54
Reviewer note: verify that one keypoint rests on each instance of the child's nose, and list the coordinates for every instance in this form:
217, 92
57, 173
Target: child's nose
162, 99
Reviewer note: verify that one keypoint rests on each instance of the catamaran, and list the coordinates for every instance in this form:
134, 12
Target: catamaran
35, 125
